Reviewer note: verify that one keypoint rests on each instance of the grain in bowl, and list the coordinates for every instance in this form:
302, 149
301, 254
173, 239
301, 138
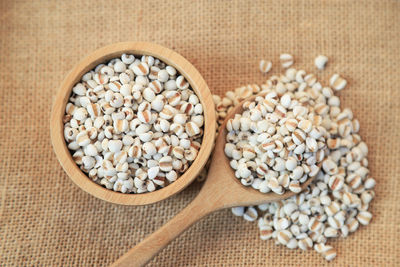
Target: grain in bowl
133, 124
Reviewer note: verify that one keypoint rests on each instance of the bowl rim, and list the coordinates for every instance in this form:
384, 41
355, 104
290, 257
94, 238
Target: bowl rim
102, 55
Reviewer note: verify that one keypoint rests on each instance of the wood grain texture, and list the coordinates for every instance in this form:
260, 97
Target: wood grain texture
100, 56
220, 190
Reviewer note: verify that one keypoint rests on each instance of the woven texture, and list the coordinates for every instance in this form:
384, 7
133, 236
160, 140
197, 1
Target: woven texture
45, 220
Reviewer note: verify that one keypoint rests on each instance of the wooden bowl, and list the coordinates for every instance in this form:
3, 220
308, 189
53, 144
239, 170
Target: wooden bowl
101, 56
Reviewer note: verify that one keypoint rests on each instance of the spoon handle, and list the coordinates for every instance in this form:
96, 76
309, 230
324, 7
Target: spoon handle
154, 243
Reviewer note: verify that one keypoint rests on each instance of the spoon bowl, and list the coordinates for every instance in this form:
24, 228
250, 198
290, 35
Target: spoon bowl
220, 190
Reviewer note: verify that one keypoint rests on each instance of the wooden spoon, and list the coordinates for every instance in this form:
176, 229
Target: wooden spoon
220, 190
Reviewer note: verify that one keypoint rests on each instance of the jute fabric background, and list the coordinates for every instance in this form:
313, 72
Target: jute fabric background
45, 220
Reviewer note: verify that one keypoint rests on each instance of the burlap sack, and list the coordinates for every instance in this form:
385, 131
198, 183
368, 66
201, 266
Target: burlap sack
45, 220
